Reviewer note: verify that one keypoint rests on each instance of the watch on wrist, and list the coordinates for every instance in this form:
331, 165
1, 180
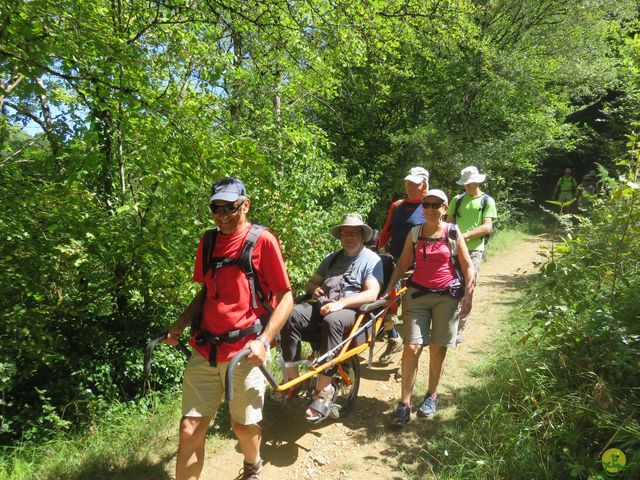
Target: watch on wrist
267, 345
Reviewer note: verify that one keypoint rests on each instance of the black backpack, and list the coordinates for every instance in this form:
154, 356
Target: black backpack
244, 262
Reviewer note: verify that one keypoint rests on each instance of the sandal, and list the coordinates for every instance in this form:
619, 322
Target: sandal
322, 403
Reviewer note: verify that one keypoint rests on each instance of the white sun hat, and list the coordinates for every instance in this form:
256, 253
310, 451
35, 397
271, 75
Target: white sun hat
470, 175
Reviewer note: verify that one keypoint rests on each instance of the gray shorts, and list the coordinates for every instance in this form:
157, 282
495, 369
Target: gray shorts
430, 318
476, 259
565, 197
203, 390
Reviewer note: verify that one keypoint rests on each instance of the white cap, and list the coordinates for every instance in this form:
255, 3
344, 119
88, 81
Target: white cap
437, 193
418, 175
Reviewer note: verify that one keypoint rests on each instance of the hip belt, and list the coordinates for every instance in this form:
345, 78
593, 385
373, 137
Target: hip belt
202, 337
421, 291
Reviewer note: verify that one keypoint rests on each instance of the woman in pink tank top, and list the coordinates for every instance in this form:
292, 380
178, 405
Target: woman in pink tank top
440, 291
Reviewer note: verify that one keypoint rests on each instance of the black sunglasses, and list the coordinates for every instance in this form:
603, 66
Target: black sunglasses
435, 206
226, 208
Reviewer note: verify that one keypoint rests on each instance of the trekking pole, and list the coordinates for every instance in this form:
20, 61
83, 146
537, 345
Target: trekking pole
228, 379
148, 352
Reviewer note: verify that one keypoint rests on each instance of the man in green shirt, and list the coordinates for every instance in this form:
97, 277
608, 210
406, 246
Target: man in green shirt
473, 211
565, 187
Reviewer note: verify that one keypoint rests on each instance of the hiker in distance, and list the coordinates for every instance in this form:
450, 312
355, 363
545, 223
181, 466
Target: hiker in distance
566, 187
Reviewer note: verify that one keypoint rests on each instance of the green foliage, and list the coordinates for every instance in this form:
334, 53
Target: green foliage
586, 332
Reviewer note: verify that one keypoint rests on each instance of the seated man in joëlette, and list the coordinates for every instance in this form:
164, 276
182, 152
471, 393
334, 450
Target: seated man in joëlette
345, 280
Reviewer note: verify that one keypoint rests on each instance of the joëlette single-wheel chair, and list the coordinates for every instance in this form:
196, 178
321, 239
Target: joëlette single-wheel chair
368, 326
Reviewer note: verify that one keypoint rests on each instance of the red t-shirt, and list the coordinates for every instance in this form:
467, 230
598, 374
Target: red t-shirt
231, 308
433, 264
385, 233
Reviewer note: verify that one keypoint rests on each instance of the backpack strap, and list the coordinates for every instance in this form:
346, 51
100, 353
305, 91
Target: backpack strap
453, 240
208, 241
483, 204
334, 257
457, 208
415, 233
246, 265
415, 236
452, 237
204, 337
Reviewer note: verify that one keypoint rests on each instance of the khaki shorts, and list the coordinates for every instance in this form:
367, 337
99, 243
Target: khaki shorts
430, 318
203, 390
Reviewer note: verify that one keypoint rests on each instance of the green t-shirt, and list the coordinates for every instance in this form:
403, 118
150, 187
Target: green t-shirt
470, 216
566, 184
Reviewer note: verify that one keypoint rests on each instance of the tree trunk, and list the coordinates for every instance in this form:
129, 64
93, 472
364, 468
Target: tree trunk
49, 128
236, 87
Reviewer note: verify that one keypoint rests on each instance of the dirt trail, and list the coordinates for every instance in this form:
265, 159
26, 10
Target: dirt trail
362, 445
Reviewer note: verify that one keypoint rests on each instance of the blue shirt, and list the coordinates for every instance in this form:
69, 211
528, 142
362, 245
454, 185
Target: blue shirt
405, 216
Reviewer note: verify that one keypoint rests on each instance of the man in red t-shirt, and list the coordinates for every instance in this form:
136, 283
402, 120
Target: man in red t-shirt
403, 215
227, 307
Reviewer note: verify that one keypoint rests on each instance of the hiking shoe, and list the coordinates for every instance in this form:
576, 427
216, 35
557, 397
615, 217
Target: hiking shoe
394, 345
427, 408
250, 472
401, 416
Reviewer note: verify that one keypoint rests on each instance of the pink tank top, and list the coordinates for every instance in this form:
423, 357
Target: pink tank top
433, 263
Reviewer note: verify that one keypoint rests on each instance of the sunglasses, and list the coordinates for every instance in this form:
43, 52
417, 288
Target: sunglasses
226, 208
435, 206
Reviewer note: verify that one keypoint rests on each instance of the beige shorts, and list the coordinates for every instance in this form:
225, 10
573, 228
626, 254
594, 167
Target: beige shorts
430, 318
203, 390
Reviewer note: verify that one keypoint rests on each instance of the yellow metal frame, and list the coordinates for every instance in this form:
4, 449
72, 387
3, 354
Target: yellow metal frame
345, 352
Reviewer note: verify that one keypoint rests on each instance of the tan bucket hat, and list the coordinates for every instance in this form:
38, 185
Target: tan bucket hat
353, 220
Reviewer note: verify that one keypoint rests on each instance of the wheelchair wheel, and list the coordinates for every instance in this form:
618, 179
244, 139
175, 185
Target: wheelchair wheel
346, 391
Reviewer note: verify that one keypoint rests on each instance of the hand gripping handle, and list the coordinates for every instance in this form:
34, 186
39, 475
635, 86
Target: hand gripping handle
228, 379
148, 352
